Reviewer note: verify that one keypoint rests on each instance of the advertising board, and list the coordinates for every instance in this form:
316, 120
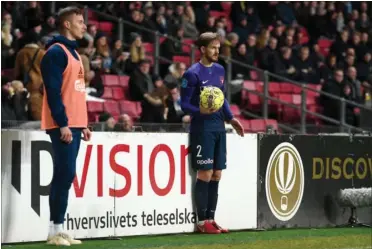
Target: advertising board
126, 184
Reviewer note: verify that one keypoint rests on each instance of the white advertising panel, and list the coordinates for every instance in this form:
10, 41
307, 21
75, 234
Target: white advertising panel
126, 184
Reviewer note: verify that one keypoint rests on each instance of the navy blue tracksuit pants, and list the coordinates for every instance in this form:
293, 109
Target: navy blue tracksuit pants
64, 169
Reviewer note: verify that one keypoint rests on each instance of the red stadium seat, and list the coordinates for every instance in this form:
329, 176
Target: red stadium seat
149, 47
254, 75
184, 59
118, 93
251, 85
92, 15
274, 87
93, 22
245, 123
124, 81
296, 89
258, 125
286, 87
217, 14
111, 107
273, 123
110, 80
106, 27
107, 93
235, 110
312, 93
162, 39
324, 46
94, 106
130, 108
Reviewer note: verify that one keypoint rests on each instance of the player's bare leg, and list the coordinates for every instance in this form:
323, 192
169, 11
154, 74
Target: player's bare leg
201, 196
213, 198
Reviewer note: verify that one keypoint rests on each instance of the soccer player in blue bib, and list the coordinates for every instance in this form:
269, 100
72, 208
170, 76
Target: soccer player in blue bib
207, 130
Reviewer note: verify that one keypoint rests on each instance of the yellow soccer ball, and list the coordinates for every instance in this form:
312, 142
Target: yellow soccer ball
211, 98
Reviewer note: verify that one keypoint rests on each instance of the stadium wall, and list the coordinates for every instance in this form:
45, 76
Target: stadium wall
299, 177
126, 184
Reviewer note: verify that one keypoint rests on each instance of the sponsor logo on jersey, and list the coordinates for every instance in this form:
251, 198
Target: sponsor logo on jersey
80, 85
201, 162
284, 181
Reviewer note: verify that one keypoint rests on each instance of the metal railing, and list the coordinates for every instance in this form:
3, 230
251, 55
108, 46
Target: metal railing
264, 75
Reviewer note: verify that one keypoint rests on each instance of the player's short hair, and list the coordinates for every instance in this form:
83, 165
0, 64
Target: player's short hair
206, 38
65, 13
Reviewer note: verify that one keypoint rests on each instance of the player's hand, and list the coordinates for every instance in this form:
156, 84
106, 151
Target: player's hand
206, 111
66, 135
87, 134
237, 126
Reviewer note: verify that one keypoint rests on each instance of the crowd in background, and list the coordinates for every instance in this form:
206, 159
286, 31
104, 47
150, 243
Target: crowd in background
268, 35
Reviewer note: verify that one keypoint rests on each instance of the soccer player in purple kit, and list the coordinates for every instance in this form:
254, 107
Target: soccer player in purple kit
207, 130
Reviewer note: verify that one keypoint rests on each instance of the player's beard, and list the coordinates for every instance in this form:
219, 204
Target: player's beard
212, 58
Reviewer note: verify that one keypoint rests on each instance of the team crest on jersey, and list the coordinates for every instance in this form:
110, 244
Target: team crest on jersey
184, 83
222, 79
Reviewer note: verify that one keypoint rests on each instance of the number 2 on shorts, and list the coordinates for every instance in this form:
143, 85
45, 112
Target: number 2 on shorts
199, 148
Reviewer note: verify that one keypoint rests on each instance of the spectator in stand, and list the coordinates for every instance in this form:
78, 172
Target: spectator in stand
341, 88
348, 62
176, 70
251, 48
136, 20
263, 39
120, 58
355, 43
140, 81
14, 100
170, 48
161, 24
103, 52
154, 104
173, 112
278, 31
241, 56
148, 22
354, 83
49, 26
7, 50
364, 23
93, 87
27, 70
254, 23
340, 46
106, 122
284, 65
285, 13
269, 54
188, 23
364, 69
327, 70
137, 52
241, 29
305, 67
209, 26
124, 124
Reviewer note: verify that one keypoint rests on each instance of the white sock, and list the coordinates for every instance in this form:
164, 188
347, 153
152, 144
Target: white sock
201, 223
58, 228
51, 229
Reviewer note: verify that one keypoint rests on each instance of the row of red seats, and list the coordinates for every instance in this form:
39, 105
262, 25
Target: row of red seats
286, 93
115, 108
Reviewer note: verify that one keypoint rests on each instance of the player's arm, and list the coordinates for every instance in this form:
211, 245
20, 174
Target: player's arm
189, 84
52, 67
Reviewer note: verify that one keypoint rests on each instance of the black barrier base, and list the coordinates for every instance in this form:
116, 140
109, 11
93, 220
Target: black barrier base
353, 221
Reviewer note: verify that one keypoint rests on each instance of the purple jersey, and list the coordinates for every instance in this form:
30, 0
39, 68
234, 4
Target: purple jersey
194, 79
